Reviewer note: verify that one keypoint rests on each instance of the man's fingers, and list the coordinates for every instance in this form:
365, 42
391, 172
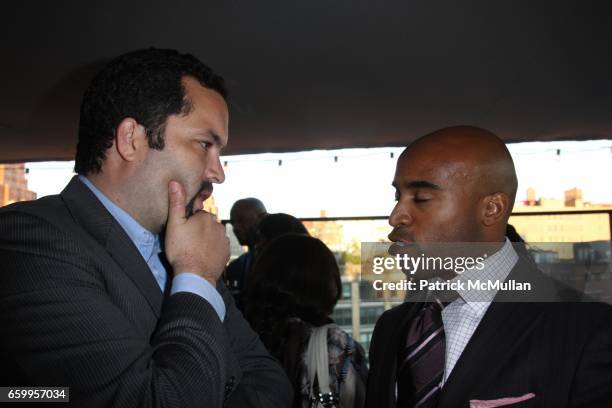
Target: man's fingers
176, 203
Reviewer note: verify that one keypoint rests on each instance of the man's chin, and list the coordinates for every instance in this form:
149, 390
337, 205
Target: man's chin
408, 248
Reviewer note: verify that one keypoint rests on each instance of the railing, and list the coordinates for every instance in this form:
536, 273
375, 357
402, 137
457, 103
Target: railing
514, 214
355, 312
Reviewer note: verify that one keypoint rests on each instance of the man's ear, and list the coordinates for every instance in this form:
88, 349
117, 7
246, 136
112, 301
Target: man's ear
129, 138
496, 208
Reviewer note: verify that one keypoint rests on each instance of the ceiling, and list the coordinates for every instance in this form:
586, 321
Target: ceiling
322, 74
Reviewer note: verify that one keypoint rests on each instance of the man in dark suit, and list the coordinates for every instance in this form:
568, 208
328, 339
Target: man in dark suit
537, 348
111, 287
244, 217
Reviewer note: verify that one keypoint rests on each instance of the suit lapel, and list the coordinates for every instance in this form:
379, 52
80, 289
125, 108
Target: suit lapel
389, 345
502, 329
93, 217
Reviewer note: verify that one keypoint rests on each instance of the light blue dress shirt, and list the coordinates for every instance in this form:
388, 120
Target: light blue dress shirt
148, 245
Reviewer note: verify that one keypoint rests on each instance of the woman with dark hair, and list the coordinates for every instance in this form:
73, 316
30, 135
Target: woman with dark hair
294, 288
270, 226
275, 225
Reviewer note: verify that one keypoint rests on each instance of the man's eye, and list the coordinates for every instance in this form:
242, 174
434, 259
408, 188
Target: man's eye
418, 199
397, 196
205, 145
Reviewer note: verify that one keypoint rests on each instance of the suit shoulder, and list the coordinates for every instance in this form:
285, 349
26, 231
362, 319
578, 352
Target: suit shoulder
44, 207
28, 219
590, 312
583, 319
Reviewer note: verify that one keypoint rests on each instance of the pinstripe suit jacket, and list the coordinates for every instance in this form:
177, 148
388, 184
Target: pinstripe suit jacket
79, 307
559, 350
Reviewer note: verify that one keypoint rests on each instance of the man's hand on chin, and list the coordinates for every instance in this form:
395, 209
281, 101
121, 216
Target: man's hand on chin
197, 244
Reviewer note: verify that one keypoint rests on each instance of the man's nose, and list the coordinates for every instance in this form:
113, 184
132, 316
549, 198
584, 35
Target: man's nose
399, 216
215, 172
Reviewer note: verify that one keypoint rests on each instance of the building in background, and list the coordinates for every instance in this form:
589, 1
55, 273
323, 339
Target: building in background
330, 232
14, 184
573, 198
566, 227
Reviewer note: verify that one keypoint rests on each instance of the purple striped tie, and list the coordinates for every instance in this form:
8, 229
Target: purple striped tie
421, 362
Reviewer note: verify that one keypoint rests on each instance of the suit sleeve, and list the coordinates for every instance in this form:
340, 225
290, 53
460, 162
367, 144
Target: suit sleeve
375, 388
592, 385
60, 328
263, 382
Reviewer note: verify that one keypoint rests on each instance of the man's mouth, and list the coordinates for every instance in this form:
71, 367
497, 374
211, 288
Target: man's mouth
400, 236
402, 243
197, 202
401, 247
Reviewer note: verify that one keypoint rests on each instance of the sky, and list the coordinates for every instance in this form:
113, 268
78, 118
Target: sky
357, 182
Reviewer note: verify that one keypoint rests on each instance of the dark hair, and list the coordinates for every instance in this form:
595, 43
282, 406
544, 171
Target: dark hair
518, 243
296, 276
513, 235
145, 85
274, 225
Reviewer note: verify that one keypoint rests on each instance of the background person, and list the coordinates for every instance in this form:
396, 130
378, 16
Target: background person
245, 214
273, 226
294, 288
270, 227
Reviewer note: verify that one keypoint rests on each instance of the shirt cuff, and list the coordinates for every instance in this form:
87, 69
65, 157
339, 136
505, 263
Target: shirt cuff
190, 282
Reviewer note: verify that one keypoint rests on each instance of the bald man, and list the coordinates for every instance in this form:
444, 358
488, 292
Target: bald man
531, 348
244, 217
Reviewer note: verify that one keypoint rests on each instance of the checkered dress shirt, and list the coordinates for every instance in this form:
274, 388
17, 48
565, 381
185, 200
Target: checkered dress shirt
462, 316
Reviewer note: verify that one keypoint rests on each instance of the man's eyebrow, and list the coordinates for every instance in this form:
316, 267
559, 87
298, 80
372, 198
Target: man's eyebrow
419, 184
216, 137
217, 140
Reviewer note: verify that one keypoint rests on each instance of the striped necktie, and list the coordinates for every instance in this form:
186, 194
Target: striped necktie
421, 359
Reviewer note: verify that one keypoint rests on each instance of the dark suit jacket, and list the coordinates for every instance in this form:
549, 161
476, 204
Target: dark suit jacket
79, 307
235, 276
561, 351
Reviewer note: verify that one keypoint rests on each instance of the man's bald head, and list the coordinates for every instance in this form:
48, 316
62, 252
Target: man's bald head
459, 182
244, 216
477, 153
250, 204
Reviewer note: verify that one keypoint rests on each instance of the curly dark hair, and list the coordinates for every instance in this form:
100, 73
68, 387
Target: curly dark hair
145, 85
296, 276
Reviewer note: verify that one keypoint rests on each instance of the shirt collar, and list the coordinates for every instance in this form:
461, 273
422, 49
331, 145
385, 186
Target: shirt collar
145, 241
496, 268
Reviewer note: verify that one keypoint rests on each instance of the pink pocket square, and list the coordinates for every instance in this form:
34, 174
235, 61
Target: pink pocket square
501, 402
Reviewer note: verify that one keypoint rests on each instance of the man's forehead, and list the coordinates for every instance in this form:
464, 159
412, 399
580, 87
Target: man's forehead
434, 168
209, 113
196, 92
